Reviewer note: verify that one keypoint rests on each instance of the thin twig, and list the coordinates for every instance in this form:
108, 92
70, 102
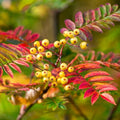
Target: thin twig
24, 111
111, 115
77, 108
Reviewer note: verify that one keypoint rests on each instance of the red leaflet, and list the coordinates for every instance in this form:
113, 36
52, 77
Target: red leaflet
89, 92
18, 84
84, 85
94, 97
14, 66
62, 30
21, 63
82, 35
78, 80
79, 19
18, 30
87, 66
87, 32
1, 71
50, 46
69, 24
108, 97
92, 15
34, 37
100, 78
95, 28
8, 70
96, 73
24, 89
108, 88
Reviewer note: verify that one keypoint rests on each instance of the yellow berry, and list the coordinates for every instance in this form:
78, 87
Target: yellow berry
40, 49
62, 41
58, 80
63, 66
73, 40
36, 43
61, 74
76, 31
39, 57
70, 34
54, 84
38, 74
83, 45
48, 54
57, 44
46, 66
45, 79
52, 78
64, 80
45, 42
68, 87
65, 33
39, 101
70, 69
49, 74
44, 73
33, 50
29, 57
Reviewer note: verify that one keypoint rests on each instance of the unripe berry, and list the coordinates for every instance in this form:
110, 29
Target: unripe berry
40, 49
38, 74
44, 73
29, 57
83, 45
65, 33
64, 80
70, 34
70, 69
46, 66
62, 41
48, 54
33, 50
59, 80
57, 44
45, 79
76, 31
39, 57
36, 43
61, 74
52, 78
63, 66
49, 74
73, 40
45, 42
68, 87
54, 84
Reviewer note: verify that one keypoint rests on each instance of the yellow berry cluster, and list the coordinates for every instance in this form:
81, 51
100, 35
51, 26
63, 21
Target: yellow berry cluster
58, 43
62, 79
38, 51
73, 39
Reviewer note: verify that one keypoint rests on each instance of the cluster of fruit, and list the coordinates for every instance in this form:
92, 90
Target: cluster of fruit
73, 38
53, 79
39, 51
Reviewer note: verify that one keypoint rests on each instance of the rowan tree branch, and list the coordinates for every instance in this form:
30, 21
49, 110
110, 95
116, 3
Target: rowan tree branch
111, 115
25, 110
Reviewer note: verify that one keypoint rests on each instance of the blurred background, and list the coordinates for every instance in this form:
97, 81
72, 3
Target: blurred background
46, 17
